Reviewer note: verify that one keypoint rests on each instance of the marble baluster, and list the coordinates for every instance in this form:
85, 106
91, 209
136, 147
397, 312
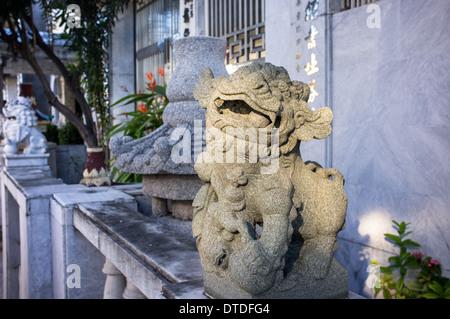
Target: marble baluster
115, 281
132, 292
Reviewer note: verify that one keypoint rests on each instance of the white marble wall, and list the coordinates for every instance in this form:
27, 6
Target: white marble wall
391, 127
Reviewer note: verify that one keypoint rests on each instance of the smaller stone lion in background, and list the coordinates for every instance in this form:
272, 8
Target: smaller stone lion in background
20, 127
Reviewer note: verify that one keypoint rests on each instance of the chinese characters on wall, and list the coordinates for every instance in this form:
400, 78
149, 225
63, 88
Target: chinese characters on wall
188, 14
309, 64
298, 30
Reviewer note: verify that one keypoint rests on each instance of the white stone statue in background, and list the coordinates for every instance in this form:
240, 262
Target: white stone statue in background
20, 127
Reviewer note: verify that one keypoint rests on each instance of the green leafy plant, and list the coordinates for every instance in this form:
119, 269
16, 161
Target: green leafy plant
68, 135
51, 133
90, 44
428, 283
146, 118
86, 77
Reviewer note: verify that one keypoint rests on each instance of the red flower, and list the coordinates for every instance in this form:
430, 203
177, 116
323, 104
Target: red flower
433, 263
418, 255
149, 76
161, 71
152, 85
126, 115
142, 108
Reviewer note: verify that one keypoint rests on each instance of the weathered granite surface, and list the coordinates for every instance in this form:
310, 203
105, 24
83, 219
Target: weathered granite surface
265, 221
166, 156
152, 154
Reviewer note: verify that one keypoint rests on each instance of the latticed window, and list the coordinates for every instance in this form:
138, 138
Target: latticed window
156, 24
241, 23
350, 4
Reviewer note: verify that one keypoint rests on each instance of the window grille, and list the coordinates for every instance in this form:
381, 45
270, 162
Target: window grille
350, 4
156, 25
241, 23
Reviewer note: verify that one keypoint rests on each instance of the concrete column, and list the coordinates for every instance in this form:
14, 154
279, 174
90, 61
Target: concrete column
11, 245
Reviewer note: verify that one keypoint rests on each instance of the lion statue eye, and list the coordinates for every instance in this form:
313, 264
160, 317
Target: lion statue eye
222, 260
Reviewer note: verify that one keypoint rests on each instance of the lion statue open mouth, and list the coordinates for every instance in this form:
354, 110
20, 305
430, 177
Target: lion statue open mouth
271, 234
262, 96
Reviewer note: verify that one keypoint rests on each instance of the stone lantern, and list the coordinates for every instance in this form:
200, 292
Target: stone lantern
166, 156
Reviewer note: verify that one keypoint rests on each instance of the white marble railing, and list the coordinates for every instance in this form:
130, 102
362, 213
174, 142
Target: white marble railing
74, 242
154, 259
117, 286
70, 241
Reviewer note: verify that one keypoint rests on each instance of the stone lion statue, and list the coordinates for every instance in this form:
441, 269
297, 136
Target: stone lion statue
20, 127
266, 233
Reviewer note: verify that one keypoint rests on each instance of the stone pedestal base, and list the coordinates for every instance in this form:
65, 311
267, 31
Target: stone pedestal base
182, 209
27, 161
160, 206
334, 286
179, 189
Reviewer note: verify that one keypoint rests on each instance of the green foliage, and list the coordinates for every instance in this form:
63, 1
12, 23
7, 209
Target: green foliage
429, 282
90, 44
51, 133
146, 119
68, 134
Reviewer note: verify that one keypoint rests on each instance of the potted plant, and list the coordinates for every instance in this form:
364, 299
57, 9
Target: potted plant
146, 118
428, 282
